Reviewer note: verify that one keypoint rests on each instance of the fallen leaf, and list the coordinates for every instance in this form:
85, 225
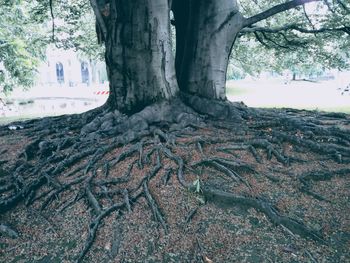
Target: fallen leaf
207, 260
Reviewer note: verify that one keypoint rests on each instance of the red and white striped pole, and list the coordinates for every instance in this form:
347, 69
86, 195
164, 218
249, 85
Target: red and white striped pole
101, 92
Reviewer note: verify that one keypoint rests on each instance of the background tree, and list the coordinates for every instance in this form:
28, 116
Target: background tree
27, 30
22, 45
310, 39
72, 25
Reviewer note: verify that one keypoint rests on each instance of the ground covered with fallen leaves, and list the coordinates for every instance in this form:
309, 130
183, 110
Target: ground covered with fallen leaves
198, 229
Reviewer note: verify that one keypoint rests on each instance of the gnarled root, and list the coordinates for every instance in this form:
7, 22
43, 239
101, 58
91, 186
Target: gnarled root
112, 161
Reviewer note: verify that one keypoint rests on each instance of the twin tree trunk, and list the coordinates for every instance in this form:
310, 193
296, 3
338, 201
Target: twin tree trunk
139, 57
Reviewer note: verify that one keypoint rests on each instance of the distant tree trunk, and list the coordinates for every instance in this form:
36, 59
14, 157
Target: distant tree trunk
205, 33
139, 59
294, 76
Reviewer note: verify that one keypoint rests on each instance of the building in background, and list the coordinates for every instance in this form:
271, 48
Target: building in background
66, 68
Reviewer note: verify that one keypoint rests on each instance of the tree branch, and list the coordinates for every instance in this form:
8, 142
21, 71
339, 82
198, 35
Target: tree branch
99, 17
261, 40
53, 20
275, 10
343, 6
308, 18
275, 42
296, 27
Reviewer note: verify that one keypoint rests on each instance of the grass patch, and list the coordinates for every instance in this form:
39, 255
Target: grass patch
235, 91
335, 109
343, 109
7, 120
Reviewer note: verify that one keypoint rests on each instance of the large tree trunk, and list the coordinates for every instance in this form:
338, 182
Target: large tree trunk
205, 33
139, 60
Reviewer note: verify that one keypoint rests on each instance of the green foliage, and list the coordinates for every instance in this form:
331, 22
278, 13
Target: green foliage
278, 46
22, 45
75, 28
26, 31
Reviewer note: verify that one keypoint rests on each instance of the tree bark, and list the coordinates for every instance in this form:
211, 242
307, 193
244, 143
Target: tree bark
139, 59
205, 33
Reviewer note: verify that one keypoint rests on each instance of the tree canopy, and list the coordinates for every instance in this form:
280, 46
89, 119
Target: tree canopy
314, 36
27, 28
22, 44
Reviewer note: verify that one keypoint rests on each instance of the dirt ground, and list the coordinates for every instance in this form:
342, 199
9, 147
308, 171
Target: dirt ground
199, 230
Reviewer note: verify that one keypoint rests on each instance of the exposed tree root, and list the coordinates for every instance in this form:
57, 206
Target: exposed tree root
95, 157
263, 206
306, 180
8, 231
